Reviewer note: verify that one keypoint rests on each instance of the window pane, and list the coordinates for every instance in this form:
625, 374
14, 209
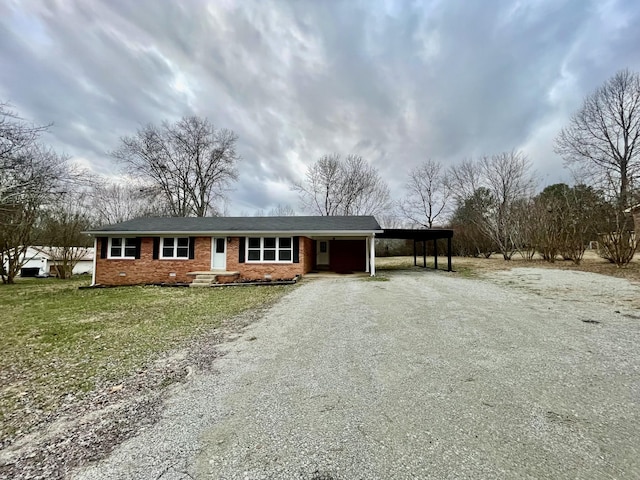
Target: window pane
285, 243
167, 242
269, 255
219, 245
129, 247
254, 242
285, 255
116, 247
183, 252
167, 251
254, 255
270, 242
183, 241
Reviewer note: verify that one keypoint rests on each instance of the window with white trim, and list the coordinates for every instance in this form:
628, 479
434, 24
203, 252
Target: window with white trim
270, 249
122, 247
174, 247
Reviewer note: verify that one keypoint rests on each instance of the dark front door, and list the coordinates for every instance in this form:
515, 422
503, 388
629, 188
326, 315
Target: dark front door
348, 256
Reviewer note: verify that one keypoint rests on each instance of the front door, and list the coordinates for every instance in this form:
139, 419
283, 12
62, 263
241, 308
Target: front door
218, 253
322, 256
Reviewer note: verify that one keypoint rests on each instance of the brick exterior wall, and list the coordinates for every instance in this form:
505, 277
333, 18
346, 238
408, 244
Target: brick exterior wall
147, 270
307, 254
278, 271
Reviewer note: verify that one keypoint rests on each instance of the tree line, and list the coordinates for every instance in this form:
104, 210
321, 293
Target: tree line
493, 202
186, 168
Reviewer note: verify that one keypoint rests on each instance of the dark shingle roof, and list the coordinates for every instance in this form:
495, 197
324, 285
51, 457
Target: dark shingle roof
155, 225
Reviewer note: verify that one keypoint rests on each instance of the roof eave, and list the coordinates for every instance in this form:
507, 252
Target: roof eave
232, 233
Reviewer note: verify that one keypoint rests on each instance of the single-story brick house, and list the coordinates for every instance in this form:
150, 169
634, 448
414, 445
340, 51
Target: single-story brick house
221, 249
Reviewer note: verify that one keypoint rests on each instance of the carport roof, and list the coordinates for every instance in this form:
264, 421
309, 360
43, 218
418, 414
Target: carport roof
157, 225
422, 235
416, 234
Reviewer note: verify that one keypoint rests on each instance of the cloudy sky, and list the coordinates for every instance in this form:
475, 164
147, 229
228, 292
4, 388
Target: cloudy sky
397, 82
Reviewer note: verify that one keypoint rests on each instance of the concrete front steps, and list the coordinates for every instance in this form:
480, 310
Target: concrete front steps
212, 277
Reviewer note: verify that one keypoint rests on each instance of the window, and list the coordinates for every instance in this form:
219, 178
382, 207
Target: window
285, 250
219, 245
177, 247
270, 249
254, 249
123, 247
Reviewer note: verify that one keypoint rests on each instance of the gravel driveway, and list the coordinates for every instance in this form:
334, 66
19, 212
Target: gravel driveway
522, 374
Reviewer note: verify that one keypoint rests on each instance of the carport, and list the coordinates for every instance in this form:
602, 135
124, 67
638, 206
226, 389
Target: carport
422, 235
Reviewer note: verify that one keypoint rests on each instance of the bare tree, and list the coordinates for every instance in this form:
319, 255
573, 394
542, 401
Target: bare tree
36, 176
522, 228
112, 202
508, 179
585, 215
492, 194
546, 217
602, 140
618, 244
60, 232
189, 163
427, 194
16, 135
472, 203
565, 219
282, 210
392, 219
351, 186
464, 180
32, 177
320, 191
603, 136
17, 141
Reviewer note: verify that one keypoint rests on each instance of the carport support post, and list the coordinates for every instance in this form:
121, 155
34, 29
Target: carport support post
367, 256
435, 253
372, 255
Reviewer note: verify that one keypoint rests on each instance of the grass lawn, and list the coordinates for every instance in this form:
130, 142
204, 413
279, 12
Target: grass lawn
58, 340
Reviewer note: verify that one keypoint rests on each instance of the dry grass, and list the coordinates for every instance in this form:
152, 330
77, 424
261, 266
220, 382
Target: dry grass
476, 266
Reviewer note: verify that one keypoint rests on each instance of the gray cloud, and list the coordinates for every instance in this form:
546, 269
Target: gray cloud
395, 82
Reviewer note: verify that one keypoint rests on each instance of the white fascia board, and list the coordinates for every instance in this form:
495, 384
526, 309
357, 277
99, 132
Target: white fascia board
306, 233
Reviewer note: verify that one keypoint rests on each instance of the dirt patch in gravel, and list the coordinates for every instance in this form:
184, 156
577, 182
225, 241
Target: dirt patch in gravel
571, 286
88, 430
